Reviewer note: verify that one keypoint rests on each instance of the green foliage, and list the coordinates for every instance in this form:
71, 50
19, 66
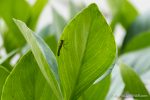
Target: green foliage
18, 9
81, 42
133, 83
26, 82
73, 58
3, 75
123, 12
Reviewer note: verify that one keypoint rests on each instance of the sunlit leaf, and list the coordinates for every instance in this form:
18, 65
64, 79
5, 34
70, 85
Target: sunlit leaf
86, 50
44, 57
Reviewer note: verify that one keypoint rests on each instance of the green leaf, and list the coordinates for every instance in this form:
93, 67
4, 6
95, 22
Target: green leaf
123, 12
26, 82
86, 50
59, 23
138, 60
35, 12
140, 25
48, 33
116, 86
3, 75
44, 57
133, 83
9, 9
74, 8
138, 42
6, 60
51, 42
98, 91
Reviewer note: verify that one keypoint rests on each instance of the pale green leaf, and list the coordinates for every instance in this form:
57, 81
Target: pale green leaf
26, 82
86, 50
44, 57
133, 83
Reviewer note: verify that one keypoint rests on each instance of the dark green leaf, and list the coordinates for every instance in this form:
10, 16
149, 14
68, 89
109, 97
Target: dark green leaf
140, 41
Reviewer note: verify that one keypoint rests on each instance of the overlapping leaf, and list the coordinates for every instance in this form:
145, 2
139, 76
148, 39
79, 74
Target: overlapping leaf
44, 57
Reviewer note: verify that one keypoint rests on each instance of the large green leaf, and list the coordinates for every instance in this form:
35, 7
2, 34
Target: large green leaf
97, 91
86, 50
133, 83
123, 12
13, 9
26, 82
3, 75
138, 42
44, 57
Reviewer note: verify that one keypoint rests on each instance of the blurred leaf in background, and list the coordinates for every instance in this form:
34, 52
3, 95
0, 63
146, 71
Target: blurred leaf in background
123, 12
19, 9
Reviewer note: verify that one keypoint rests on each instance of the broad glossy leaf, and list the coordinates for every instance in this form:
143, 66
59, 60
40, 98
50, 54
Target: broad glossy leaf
44, 57
133, 83
26, 82
3, 75
97, 91
86, 50
123, 12
138, 42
